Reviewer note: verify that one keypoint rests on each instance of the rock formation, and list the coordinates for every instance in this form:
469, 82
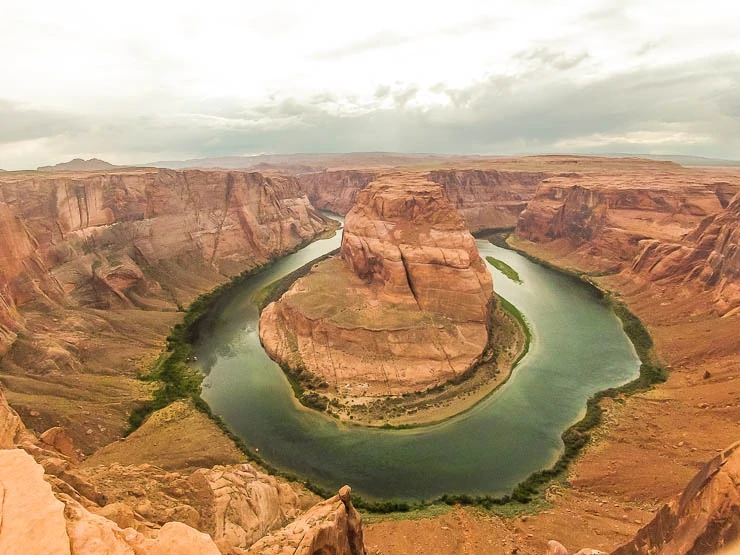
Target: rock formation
11, 427
35, 521
333, 526
704, 518
28, 505
94, 267
708, 258
51, 504
488, 199
484, 198
403, 308
335, 190
601, 218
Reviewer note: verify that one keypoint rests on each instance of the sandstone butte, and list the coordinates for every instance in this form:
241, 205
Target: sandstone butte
404, 307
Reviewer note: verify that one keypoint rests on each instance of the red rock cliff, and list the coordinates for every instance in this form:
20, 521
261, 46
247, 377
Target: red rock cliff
709, 258
335, 190
488, 199
704, 518
404, 308
484, 198
601, 218
91, 240
94, 266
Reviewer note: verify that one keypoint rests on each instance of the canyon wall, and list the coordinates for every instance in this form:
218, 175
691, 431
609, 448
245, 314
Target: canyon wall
94, 268
708, 259
488, 199
704, 518
335, 191
404, 307
485, 199
675, 229
90, 239
600, 219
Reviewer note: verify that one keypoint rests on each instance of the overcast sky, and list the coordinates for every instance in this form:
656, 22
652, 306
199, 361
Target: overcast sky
139, 81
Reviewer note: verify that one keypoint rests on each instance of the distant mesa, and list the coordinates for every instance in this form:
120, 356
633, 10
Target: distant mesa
79, 165
405, 306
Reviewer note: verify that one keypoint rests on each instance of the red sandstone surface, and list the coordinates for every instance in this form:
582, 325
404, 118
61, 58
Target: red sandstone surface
95, 266
404, 307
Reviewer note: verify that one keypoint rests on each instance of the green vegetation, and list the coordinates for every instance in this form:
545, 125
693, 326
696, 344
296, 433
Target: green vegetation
519, 317
174, 377
505, 269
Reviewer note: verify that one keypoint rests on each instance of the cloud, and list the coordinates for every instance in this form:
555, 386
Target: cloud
383, 39
542, 57
391, 39
20, 123
688, 108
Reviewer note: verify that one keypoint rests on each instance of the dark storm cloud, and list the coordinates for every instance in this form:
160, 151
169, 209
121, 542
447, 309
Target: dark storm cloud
697, 103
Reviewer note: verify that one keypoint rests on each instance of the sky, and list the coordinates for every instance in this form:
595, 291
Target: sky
141, 81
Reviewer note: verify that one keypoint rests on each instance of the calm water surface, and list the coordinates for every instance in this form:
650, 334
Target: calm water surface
578, 348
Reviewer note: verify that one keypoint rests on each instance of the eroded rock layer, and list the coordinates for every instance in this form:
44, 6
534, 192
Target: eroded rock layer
601, 218
52, 504
709, 258
704, 518
333, 526
488, 199
404, 307
485, 199
335, 190
94, 267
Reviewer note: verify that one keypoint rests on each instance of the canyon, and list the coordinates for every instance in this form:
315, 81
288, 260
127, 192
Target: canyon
404, 307
96, 265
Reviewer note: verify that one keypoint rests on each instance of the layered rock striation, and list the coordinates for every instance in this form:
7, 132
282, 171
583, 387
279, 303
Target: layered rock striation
335, 191
709, 258
404, 307
600, 219
94, 267
486, 199
92, 240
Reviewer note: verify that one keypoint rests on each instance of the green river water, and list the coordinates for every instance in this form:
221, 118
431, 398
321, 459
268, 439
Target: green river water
578, 348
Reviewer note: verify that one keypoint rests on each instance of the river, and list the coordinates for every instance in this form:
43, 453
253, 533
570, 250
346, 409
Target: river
578, 348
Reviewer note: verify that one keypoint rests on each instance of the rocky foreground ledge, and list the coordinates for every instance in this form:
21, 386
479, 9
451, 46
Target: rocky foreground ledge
51, 505
403, 308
